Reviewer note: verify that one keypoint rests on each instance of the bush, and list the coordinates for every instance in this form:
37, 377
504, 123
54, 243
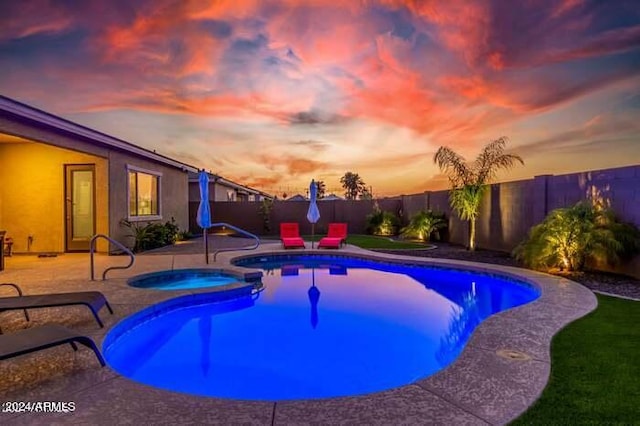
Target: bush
153, 234
570, 238
423, 224
184, 235
382, 223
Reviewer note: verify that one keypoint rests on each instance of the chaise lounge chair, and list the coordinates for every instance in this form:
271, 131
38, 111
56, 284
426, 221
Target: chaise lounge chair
43, 337
290, 235
94, 300
336, 237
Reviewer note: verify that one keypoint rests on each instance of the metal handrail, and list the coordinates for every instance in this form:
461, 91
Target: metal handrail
92, 249
240, 231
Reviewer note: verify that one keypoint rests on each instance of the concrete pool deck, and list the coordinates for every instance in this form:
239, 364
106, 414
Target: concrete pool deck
502, 370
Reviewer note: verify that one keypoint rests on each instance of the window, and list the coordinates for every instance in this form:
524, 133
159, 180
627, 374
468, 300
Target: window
231, 195
144, 194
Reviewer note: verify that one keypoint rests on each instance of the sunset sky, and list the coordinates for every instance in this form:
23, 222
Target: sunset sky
273, 93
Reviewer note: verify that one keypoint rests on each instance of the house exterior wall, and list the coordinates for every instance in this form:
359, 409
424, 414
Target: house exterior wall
220, 192
174, 196
32, 192
112, 192
217, 192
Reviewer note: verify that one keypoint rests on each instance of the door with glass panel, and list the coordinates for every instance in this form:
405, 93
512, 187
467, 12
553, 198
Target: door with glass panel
80, 206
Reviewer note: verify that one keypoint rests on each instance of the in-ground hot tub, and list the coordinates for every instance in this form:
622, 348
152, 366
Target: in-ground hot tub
186, 279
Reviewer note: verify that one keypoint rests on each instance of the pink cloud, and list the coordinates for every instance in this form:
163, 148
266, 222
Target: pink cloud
32, 18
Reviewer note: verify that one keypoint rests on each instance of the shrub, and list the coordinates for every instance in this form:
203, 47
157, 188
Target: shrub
153, 234
570, 238
184, 235
382, 223
423, 224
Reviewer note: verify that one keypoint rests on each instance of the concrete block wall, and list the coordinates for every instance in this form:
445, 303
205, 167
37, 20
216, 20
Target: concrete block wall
508, 211
246, 215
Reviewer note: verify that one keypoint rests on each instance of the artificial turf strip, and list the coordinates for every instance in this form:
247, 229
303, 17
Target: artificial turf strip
374, 242
595, 370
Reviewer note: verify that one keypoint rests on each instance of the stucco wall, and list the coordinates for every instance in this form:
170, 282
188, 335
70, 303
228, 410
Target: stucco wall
174, 181
174, 193
32, 194
219, 192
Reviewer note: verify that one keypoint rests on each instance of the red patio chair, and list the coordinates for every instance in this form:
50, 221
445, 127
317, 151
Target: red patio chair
290, 235
336, 237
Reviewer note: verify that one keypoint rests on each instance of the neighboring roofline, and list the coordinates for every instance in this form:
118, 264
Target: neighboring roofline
232, 184
242, 187
34, 114
297, 197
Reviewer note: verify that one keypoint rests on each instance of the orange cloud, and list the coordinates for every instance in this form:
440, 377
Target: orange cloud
162, 41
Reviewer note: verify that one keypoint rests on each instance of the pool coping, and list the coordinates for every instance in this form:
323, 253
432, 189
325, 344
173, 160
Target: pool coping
502, 370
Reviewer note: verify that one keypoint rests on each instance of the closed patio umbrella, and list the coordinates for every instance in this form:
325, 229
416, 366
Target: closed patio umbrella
313, 214
204, 211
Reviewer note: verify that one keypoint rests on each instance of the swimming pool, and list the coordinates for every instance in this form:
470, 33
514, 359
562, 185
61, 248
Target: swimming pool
183, 279
324, 326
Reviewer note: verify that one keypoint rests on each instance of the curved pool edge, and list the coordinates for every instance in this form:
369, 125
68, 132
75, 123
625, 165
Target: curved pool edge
502, 370
220, 294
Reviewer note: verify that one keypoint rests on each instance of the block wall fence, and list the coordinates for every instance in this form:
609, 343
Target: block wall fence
507, 213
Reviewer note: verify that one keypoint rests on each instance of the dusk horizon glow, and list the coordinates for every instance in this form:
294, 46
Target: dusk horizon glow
272, 94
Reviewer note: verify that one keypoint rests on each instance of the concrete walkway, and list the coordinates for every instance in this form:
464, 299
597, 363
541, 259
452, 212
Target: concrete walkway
501, 372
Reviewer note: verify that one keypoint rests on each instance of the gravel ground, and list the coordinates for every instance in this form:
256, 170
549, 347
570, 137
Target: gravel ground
598, 281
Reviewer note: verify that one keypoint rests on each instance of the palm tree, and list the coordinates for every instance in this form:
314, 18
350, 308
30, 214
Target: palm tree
569, 238
322, 188
365, 194
353, 185
469, 181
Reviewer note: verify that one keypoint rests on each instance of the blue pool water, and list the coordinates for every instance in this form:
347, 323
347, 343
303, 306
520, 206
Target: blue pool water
182, 279
323, 327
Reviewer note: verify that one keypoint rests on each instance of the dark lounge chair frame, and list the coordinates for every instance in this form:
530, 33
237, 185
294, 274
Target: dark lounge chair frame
43, 337
94, 300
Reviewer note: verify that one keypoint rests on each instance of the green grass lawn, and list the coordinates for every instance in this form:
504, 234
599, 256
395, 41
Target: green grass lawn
373, 242
595, 370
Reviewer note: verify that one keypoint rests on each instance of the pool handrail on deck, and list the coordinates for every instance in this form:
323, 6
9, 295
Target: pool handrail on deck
240, 231
92, 249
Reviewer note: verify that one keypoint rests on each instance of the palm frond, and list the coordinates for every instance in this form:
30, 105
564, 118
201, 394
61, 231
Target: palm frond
492, 158
453, 165
575, 236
